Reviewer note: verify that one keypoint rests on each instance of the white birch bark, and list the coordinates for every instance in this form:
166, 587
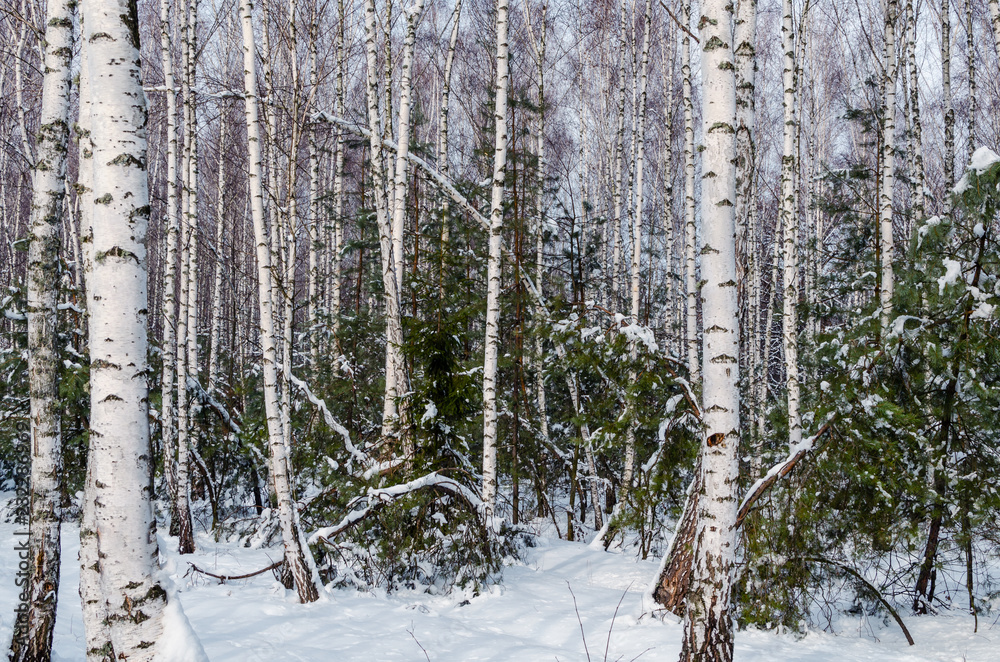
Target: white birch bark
394, 334
312, 319
540, 225
117, 280
746, 260
790, 223
493, 266
97, 632
220, 225
619, 152
338, 177
919, 197
994, 6
949, 110
168, 414
888, 167
690, 277
42, 285
970, 62
640, 162
708, 622
297, 553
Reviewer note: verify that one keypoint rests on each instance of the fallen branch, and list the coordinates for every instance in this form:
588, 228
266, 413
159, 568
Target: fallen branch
229, 578
857, 575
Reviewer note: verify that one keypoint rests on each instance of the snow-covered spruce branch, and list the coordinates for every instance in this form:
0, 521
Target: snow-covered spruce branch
364, 506
370, 467
779, 471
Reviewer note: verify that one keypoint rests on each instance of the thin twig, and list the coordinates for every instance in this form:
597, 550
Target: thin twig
613, 617
679, 24
418, 643
583, 635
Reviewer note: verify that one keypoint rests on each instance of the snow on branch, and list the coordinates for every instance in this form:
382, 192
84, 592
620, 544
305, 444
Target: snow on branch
779, 471
215, 405
370, 467
377, 499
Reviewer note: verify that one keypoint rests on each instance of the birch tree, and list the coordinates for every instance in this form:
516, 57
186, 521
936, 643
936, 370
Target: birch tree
493, 265
708, 621
789, 221
120, 487
690, 275
48, 198
886, 245
297, 554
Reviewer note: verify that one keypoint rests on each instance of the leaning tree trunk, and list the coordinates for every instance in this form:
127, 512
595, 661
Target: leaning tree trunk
619, 151
493, 267
120, 487
949, 110
708, 620
916, 127
297, 553
48, 198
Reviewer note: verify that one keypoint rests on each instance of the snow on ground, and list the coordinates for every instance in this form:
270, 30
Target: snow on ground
530, 616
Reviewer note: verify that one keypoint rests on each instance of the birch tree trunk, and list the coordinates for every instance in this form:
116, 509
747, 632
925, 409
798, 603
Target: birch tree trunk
790, 223
121, 489
220, 224
747, 262
640, 162
42, 285
994, 6
493, 267
540, 224
970, 60
338, 177
919, 201
949, 111
888, 167
168, 414
297, 553
383, 210
690, 277
97, 632
619, 151
708, 621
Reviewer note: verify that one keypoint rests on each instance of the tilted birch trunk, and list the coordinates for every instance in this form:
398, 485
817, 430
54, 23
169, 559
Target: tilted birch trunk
690, 277
120, 487
42, 285
888, 168
297, 553
493, 266
442, 144
312, 319
790, 223
708, 621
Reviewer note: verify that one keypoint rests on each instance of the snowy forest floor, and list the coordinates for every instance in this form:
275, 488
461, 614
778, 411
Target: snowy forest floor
529, 616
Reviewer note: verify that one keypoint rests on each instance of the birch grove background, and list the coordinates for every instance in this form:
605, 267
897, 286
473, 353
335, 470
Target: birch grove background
427, 279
